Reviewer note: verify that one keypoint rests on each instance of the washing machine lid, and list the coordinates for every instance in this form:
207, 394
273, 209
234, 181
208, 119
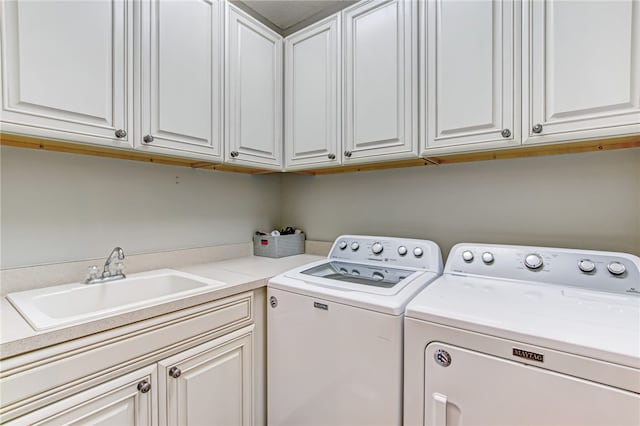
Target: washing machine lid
599, 325
346, 277
367, 275
371, 272
355, 291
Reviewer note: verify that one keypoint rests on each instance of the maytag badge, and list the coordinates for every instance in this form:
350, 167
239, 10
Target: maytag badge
321, 306
521, 353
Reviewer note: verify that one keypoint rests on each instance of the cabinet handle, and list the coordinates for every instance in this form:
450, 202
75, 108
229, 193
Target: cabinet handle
331, 156
347, 154
121, 133
506, 133
234, 154
144, 386
147, 139
175, 372
537, 128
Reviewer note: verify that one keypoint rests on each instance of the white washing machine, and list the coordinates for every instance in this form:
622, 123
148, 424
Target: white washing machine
515, 335
334, 332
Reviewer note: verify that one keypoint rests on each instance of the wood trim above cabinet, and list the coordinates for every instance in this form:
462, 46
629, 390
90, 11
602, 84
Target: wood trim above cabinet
520, 152
99, 151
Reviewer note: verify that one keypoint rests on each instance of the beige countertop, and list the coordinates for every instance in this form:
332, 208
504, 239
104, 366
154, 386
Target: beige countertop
240, 274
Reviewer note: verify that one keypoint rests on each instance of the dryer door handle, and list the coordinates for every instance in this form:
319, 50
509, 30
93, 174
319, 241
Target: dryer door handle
439, 410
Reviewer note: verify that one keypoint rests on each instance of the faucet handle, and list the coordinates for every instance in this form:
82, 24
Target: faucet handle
92, 273
120, 267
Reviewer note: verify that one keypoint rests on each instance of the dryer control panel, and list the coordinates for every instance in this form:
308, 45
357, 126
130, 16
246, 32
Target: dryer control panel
594, 270
390, 251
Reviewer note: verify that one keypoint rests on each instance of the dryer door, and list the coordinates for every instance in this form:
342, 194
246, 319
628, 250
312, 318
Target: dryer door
464, 387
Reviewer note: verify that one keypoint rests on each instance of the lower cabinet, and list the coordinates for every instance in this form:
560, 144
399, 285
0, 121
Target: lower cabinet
202, 365
210, 384
126, 400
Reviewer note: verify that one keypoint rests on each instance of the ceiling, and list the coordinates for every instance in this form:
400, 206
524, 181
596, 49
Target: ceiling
287, 14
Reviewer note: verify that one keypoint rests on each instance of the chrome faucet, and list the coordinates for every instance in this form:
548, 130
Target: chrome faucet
107, 275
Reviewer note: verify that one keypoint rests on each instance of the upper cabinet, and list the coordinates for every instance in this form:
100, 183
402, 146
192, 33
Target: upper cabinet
313, 96
381, 80
68, 70
582, 70
181, 77
254, 92
380, 87
469, 91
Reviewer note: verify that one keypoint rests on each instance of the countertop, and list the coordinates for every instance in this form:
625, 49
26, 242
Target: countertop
241, 274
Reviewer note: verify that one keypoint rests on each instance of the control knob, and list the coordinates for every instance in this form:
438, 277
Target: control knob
585, 265
487, 258
533, 261
418, 252
342, 245
355, 246
402, 250
377, 248
616, 268
467, 256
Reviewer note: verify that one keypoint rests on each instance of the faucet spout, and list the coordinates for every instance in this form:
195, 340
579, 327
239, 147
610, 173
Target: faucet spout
116, 252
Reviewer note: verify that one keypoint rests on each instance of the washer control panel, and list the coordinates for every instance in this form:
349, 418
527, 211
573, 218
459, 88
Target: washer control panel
595, 270
399, 252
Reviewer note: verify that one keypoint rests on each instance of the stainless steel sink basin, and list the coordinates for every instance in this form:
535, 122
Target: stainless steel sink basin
71, 304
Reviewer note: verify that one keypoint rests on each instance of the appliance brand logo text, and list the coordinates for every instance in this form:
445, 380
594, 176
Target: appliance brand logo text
528, 355
321, 306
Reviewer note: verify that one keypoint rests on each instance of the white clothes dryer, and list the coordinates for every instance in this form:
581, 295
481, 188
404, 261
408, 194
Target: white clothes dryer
513, 335
334, 332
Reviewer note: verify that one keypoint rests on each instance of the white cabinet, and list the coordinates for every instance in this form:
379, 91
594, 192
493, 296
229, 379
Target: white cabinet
211, 384
380, 87
313, 96
127, 400
67, 70
181, 77
253, 81
581, 69
470, 75
95, 379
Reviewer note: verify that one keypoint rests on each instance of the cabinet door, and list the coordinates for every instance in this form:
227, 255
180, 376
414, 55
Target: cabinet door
211, 384
254, 92
67, 70
380, 87
470, 75
181, 79
312, 95
127, 400
582, 66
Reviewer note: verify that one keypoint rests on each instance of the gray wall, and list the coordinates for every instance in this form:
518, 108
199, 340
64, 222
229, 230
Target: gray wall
61, 207
589, 201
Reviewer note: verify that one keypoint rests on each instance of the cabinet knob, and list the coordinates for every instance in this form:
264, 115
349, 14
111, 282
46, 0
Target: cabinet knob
175, 372
121, 133
331, 156
537, 128
347, 154
144, 386
147, 139
506, 133
234, 154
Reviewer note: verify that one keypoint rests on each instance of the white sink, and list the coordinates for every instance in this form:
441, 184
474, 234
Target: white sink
76, 303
